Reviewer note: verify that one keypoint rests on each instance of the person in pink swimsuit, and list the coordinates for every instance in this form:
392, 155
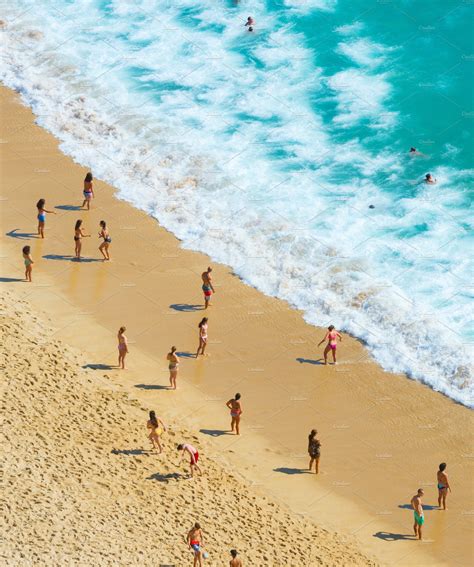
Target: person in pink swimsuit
202, 337
331, 337
194, 456
235, 413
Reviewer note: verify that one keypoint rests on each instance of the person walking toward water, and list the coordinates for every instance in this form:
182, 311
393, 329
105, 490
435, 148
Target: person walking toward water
157, 428
193, 454
78, 236
202, 337
314, 450
418, 512
207, 287
42, 216
443, 485
195, 540
173, 366
122, 347
88, 191
331, 337
235, 561
104, 233
235, 413
28, 262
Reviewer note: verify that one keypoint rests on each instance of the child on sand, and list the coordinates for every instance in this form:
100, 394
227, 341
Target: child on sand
88, 191
28, 262
202, 337
418, 512
235, 413
173, 359
157, 427
314, 451
78, 236
331, 337
42, 216
122, 347
195, 540
235, 561
104, 233
443, 485
194, 456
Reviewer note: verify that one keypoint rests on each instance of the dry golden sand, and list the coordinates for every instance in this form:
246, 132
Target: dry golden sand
71, 499
383, 435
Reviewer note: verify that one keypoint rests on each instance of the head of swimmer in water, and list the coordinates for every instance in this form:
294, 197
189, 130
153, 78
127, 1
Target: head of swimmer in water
40, 204
442, 467
78, 224
88, 178
331, 328
26, 250
153, 419
122, 330
412, 150
428, 177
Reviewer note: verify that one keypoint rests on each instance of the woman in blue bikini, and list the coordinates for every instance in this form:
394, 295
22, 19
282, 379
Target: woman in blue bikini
42, 216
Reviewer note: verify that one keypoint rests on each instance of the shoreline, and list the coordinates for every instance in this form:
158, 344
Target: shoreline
257, 344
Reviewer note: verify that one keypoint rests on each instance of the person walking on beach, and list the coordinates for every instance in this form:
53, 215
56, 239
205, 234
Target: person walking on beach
443, 485
28, 262
195, 540
193, 454
122, 347
104, 234
202, 337
157, 428
314, 450
331, 337
418, 512
173, 366
235, 413
207, 287
78, 236
42, 216
235, 561
88, 191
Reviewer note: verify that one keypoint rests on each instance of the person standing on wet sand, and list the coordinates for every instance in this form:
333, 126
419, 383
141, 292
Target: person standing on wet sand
104, 233
331, 337
235, 413
28, 262
207, 287
88, 191
314, 451
78, 236
202, 337
42, 216
235, 561
443, 485
122, 347
173, 365
195, 540
193, 454
418, 512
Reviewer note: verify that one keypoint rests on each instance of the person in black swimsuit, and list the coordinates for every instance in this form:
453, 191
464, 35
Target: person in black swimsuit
314, 450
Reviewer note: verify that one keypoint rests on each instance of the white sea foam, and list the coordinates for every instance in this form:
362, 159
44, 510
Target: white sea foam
211, 131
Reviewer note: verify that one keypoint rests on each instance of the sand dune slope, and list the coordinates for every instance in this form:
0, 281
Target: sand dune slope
81, 487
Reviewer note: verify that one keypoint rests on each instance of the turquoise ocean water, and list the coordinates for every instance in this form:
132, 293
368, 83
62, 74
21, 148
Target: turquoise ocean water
283, 152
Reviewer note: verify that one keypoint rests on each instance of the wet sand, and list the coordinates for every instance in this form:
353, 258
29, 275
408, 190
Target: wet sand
383, 435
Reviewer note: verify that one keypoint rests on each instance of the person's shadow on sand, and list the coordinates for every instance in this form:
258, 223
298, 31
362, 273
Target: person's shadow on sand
9, 280
387, 536
165, 477
186, 307
99, 366
69, 207
71, 258
186, 354
130, 452
215, 432
286, 470
310, 361
152, 387
21, 235
425, 507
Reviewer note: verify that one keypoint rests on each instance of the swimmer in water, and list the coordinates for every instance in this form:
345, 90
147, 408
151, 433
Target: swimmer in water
235, 413
157, 428
28, 262
250, 23
42, 216
331, 337
443, 485
78, 236
430, 179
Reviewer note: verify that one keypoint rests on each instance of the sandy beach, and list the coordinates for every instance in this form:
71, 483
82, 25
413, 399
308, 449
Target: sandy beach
382, 435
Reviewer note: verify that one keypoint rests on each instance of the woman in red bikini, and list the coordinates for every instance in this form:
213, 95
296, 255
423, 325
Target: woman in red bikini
331, 337
235, 413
